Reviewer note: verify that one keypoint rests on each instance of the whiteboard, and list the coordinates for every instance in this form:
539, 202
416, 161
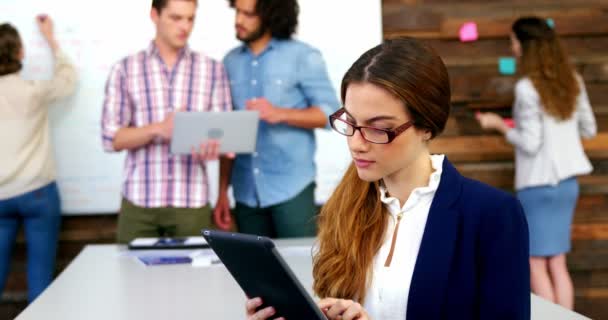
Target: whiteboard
96, 34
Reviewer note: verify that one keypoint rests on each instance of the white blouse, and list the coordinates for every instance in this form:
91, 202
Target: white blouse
387, 296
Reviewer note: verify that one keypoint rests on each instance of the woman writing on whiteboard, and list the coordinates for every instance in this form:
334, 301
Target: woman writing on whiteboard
552, 113
404, 234
28, 192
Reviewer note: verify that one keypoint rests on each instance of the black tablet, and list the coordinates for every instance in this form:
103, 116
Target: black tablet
259, 269
168, 243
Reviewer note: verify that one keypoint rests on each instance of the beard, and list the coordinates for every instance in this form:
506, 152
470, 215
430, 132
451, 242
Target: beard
252, 36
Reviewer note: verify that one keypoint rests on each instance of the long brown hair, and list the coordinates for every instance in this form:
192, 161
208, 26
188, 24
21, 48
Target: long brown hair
546, 64
10, 47
352, 224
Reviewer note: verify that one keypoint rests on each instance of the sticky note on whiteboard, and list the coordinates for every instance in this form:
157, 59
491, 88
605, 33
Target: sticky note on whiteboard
468, 32
507, 65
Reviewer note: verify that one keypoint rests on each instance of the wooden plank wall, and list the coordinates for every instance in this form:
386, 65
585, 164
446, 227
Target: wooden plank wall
477, 85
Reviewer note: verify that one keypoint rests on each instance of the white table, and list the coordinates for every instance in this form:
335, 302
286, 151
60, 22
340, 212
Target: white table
102, 284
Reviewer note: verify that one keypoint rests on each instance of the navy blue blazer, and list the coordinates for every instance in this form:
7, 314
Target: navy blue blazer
473, 259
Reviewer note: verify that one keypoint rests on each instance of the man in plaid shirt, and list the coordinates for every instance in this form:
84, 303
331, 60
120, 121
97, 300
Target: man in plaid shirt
163, 194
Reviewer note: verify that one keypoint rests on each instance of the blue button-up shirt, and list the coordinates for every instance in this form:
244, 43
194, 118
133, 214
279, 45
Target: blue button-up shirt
290, 74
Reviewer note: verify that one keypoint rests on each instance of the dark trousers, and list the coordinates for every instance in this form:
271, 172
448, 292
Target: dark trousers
293, 218
135, 222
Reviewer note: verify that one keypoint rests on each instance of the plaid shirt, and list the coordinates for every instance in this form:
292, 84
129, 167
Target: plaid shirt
140, 91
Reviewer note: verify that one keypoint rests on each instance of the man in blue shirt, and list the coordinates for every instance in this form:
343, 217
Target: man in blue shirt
287, 82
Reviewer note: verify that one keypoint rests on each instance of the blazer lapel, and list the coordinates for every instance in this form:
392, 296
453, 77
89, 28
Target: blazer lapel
429, 281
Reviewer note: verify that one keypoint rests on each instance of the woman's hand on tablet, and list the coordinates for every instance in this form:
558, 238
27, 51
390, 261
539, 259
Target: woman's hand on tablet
342, 309
252, 304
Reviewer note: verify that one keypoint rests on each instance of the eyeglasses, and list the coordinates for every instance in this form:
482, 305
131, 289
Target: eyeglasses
370, 134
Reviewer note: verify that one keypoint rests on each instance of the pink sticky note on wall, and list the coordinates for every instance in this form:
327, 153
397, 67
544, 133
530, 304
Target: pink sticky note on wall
468, 32
509, 122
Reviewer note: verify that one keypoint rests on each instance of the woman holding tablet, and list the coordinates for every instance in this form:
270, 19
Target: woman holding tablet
404, 234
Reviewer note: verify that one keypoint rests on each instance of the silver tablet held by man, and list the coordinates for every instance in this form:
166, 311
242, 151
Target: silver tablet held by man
236, 130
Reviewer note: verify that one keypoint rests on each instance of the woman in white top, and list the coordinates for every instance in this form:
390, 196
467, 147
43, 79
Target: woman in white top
404, 235
551, 113
28, 193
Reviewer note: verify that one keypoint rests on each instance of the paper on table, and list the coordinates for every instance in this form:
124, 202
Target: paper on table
164, 260
199, 257
157, 253
296, 251
204, 258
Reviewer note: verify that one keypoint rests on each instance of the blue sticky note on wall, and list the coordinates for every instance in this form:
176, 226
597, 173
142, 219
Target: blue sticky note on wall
550, 22
507, 65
